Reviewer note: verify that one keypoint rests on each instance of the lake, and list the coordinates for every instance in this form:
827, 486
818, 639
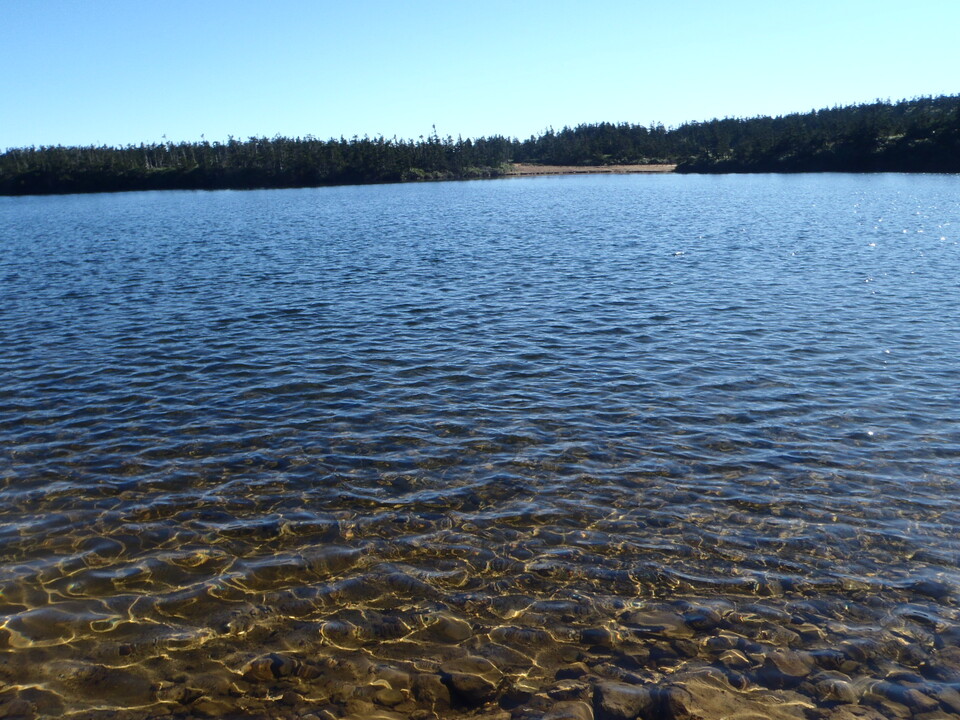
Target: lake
656, 446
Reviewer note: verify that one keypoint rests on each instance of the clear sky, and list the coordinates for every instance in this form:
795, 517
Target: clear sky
128, 71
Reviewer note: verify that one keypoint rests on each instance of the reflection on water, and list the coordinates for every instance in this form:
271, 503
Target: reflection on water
612, 447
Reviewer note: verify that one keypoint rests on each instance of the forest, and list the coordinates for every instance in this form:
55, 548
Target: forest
917, 135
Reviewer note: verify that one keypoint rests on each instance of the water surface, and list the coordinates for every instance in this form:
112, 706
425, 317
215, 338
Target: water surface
483, 447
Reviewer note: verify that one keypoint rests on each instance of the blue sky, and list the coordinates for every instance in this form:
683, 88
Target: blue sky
125, 71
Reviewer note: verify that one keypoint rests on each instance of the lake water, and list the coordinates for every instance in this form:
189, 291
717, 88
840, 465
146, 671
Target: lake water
656, 446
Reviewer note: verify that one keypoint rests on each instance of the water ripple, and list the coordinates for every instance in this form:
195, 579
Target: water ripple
482, 447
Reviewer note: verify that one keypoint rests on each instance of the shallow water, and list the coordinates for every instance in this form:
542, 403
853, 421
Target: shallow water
521, 446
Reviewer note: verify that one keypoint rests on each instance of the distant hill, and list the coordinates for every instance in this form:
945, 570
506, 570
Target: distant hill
920, 135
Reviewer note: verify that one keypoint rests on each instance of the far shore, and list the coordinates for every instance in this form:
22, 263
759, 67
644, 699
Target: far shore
529, 169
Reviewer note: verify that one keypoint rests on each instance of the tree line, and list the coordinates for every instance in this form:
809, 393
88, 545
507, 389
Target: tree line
919, 135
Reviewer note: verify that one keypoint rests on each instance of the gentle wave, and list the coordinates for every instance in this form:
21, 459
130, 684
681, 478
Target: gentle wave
669, 444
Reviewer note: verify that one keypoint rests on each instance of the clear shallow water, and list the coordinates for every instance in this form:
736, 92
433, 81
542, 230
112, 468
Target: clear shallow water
432, 448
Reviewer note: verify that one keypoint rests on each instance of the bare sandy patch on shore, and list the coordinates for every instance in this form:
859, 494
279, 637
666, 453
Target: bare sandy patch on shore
527, 169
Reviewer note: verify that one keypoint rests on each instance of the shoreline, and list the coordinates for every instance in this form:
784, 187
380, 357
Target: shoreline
528, 169
163, 180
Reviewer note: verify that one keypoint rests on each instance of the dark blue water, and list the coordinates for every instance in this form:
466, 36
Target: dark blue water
669, 431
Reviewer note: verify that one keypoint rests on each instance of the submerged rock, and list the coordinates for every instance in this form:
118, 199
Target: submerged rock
831, 689
470, 690
678, 703
448, 629
572, 671
702, 619
573, 710
785, 668
430, 690
472, 680
707, 696
950, 699
270, 667
388, 697
570, 690
853, 712
621, 701
886, 695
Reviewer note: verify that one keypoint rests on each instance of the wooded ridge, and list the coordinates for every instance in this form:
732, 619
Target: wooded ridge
919, 135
